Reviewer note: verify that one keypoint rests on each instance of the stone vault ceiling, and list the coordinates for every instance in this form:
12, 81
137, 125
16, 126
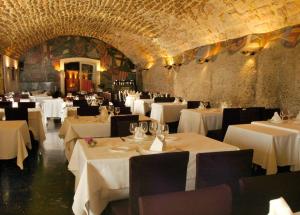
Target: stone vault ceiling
144, 30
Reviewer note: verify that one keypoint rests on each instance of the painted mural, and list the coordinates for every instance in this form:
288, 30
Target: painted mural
41, 63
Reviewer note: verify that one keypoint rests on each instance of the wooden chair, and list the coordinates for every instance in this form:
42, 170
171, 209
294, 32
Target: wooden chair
80, 103
120, 124
5, 104
26, 104
193, 104
16, 113
88, 111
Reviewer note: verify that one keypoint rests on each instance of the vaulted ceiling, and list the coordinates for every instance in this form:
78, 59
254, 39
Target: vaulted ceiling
144, 30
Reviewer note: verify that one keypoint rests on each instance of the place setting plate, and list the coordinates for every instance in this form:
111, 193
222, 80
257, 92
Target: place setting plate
122, 149
145, 150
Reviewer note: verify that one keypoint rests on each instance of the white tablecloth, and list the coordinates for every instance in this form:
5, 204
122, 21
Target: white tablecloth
102, 174
14, 137
142, 106
129, 101
272, 147
53, 108
81, 127
35, 123
200, 121
166, 112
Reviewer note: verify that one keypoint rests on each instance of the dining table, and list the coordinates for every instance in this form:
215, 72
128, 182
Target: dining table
272, 146
36, 123
14, 141
53, 108
102, 171
167, 112
200, 120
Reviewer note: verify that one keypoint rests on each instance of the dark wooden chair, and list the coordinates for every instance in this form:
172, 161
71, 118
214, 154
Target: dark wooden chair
269, 112
120, 124
26, 104
88, 111
125, 110
250, 114
5, 104
207, 201
80, 103
16, 113
164, 99
256, 192
150, 175
193, 104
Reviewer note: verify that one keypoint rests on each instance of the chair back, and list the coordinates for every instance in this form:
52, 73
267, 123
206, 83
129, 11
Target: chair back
88, 111
125, 110
231, 116
164, 99
250, 114
120, 124
256, 192
26, 104
16, 113
269, 112
144, 96
155, 174
225, 167
193, 104
80, 103
207, 201
5, 104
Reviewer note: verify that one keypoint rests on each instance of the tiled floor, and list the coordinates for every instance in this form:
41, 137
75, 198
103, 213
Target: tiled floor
44, 187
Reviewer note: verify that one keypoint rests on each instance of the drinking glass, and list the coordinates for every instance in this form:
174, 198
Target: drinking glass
165, 130
111, 109
100, 101
117, 110
153, 127
282, 115
132, 127
144, 126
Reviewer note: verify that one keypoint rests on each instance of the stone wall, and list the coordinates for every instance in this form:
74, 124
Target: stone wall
270, 78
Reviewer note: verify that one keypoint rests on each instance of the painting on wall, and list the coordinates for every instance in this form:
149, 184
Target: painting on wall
41, 63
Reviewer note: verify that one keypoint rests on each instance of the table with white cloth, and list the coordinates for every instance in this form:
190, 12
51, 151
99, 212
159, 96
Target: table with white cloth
142, 106
167, 112
35, 123
200, 120
129, 101
53, 108
272, 147
14, 137
102, 172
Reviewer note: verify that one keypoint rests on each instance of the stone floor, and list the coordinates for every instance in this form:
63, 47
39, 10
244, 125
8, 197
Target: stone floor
45, 186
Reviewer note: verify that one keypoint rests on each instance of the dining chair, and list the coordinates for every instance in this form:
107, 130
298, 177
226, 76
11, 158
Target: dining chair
193, 104
26, 104
226, 167
150, 175
164, 99
269, 112
144, 96
88, 111
4, 104
215, 200
120, 124
16, 113
256, 192
125, 110
80, 103
250, 114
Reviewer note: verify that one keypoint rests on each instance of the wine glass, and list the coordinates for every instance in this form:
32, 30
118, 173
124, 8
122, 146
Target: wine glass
282, 114
100, 101
117, 110
132, 127
110, 109
165, 130
153, 127
144, 126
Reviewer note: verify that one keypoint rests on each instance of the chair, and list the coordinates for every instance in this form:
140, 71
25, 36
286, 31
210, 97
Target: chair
225, 167
4, 104
164, 99
193, 104
88, 111
150, 175
207, 201
144, 96
256, 192
80, 103
26, 104
231, 116
16, 113
269, 112
251, 114
120, 124
125, 110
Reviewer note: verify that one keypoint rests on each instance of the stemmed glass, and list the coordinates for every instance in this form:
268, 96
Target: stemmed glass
111, 109
153, 127
100, 101
165, 130
117, 110
282, 115
132, 127
144, 126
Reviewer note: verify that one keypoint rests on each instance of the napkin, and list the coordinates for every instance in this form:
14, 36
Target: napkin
298, 116
201, 106
157, 145
104, 114
279, 207
176, 100
184, 102
276, 117
139, 133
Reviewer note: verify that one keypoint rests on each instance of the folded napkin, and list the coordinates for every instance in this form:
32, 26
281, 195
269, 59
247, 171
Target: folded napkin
276, 117
279, 207
176, 100
298, 116
104, 114
201, 106
139, 133
157, 145
184, 102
